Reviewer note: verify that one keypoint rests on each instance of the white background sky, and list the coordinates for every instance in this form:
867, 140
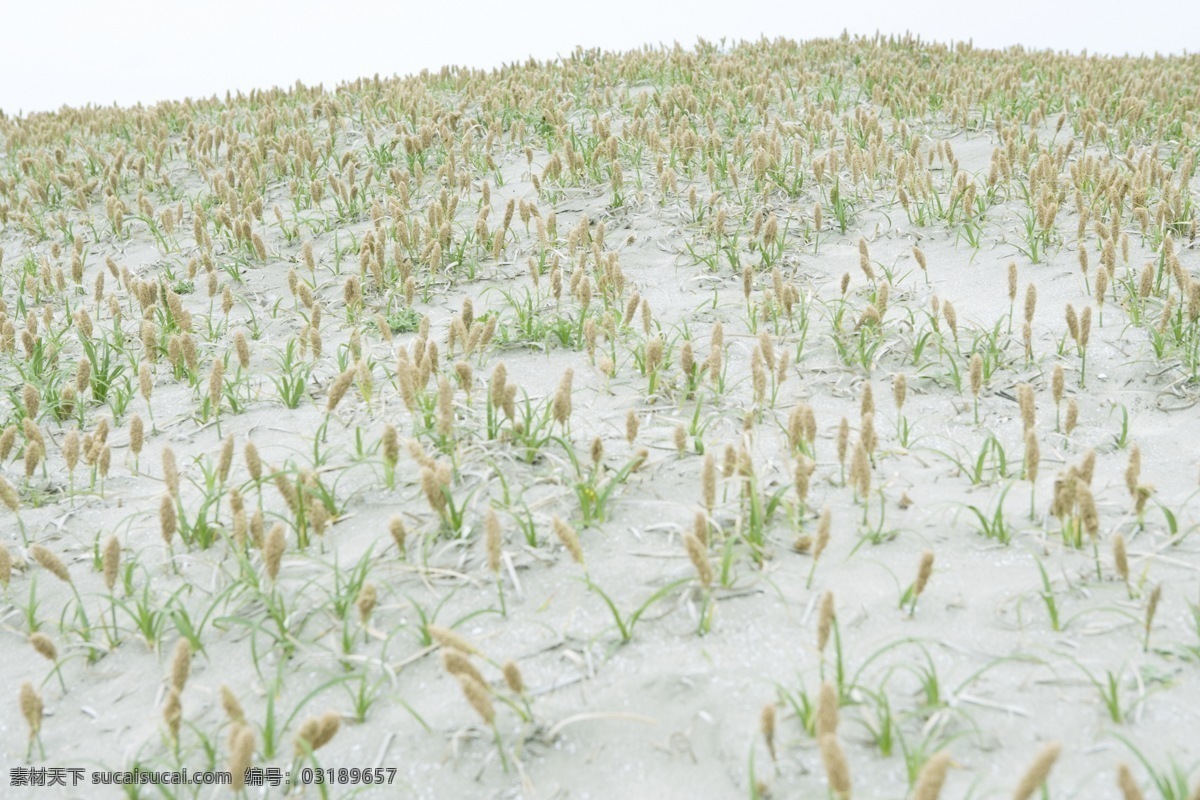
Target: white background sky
75, 52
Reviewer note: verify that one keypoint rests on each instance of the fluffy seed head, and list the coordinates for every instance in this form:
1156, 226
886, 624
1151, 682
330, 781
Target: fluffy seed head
570, 540
1120, 559
923, 573
825, 620
899, 389
827, 710
398, 532
167, 520
512, 677
9, 496
477, 695
368, 596
932, 776
181, 664
50, 562
273, 549
562, 398
493, 540
44, 646
31, 708
447, 638
1038, 771
699, 557
241, 756
767, 726
836, 767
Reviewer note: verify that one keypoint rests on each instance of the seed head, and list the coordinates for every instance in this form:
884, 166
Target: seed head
316, 732
923, 573
253, 462
899, 389
50, 562
479, 698
447, 638
167, 520
1032, 456
458, 663
825, 620
864, 261
229, 702
273, 549
1152, 608
976, 373
173, 713
512, 677
566, 534
367, 597
241, 756
181, 665
920, 257
699, 557
1125, 779
398, 532
767, 725
338, 389
44, 646
31, 708
493, 539
170, 472
827, 710
1134, 470
932, 776
1037, 772
32, 399
1025, 400
1120, 559
9, 496
836, 767
561, 408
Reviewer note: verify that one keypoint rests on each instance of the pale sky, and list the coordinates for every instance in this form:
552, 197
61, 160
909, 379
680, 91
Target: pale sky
76, 52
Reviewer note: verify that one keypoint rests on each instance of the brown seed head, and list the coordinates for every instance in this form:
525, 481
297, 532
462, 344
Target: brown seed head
836, 767
767, 726
570, 540
1120, 559
241, 756
479, 698
1037, 772
827, 710
181, 665
447, 638
924, 571
932, 776
1125, 780
44, 646
398, 532
1152, 607
229, 702
699, 557
899, 389
50, 562
825, 619
273, 549
31, 708
512, 677
367, 598
493, 540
